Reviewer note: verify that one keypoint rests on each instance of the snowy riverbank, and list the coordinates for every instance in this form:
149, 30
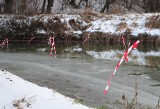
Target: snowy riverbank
18, 93
134, 24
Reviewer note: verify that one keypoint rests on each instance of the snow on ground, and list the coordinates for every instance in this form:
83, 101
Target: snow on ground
112, 24
18, 93
118, 24
135, 56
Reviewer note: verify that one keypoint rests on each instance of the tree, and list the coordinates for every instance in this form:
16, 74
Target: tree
130, 6
126, 2
107, 3
8, 6
49, 6
43, 6
151, 5
82, 1
72, 2
64, 3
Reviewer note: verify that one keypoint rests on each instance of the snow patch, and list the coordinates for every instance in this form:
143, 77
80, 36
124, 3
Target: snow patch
17, 92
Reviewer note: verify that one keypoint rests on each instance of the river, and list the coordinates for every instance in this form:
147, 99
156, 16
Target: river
78, 75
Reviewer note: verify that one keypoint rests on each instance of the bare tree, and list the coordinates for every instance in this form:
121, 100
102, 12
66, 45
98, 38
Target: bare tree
49, 6
130, 6
72, 2
43, 6
151, 5
8, 6
64, 4
107, 4
82, 1
27, 7
126, 3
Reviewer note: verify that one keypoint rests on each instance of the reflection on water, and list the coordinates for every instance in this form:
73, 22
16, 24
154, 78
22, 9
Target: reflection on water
61, 46
100, 51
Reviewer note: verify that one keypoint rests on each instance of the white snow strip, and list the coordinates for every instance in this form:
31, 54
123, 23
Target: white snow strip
133, 23
16, 92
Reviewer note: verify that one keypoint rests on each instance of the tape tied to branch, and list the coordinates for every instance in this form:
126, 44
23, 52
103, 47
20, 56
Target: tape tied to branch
125, 57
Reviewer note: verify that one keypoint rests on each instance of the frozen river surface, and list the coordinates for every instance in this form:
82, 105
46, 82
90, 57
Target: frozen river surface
84, 78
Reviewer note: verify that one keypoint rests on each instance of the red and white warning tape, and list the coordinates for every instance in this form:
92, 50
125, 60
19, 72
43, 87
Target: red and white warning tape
5, 42
125, 57
123, 41
52, 44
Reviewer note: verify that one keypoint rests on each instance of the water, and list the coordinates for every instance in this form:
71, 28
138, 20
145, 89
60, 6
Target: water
77, 74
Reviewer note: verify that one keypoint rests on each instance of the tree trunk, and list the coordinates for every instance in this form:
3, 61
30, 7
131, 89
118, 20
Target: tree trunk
43, 6
151, 6
64, 3
105, 6
8, 6
86, 3
126, 2
157, 5
131, 4
81, 2
72, 2
49, 6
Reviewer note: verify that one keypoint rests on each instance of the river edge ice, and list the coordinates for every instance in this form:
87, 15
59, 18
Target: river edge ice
16, 92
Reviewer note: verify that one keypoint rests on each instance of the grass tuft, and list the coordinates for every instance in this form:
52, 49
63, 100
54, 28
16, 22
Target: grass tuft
121, 26
102, 107
153, 22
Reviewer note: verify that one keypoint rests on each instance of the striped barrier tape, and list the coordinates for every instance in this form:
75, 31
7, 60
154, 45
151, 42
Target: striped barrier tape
123, 41
5, 42
125, 57
52, 44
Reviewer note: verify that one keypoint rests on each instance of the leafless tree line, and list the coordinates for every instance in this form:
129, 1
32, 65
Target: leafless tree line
35, 6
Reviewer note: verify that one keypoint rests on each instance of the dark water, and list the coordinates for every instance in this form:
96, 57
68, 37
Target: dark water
60, 46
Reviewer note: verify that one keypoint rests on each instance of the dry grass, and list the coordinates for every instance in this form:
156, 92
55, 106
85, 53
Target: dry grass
23, 102
87, 14
153, 22
153, 61
158, 104
134, 24
133, 104
128, 31
121, 26
74, 24
117, 10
